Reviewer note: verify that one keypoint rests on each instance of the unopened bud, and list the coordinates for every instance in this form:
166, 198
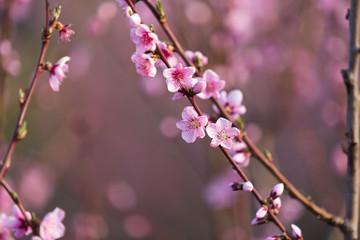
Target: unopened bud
22, 131
261, 212
248, 187
21, 96
277, 190
296, 232
199, 87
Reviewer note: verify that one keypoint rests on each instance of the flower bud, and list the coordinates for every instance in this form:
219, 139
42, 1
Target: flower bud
277, 190
247, 187
261, 212
199, 87
296, 232
134, 20
259, 221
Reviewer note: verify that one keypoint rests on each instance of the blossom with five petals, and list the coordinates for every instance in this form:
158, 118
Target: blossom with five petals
222, 133
192, 125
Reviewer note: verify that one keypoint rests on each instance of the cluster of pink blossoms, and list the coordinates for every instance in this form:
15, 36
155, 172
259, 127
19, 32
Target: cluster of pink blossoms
181, 81
51, 227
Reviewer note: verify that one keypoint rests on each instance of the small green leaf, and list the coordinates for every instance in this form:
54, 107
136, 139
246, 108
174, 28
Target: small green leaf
22, 131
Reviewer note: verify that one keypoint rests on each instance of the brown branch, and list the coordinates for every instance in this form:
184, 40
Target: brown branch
351, 80
25, 104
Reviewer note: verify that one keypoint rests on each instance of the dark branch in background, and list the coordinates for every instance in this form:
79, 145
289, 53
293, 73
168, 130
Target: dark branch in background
351, 80
319, 212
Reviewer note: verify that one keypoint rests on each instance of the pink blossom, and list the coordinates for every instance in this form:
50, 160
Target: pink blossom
240, 154
259, 221
51, 226
57, 73
18, 222
198, 87
177, 76
192, 125
134, 18
193, 56
145, 65
170, 57
65, 33
213, 85
232, 103
276, 205
296, 232
144, 39
248, 187
222, 133
4, 231
277, 190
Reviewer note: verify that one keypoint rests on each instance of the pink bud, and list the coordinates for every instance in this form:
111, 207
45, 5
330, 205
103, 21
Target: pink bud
199, 87
248, 187
277, 190
134, 20
262, 212
276, 204
296, 232
259, 221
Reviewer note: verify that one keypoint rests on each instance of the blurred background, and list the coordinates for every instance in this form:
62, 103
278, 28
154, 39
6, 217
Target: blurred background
106, 150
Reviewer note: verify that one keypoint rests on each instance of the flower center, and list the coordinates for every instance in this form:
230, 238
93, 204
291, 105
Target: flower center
194, 123
177, 75
222, 136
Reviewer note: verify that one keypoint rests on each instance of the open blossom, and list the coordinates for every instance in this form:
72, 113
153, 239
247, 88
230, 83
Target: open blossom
192, 125
179, 75
232, 103
196, 55
144, 39
222, 133
170, 57
57, 73
65, 33
51, 226
18, 222
145, 65
213, 85
240, 154
198, 87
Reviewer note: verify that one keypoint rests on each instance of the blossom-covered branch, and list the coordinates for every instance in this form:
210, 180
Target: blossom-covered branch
318, 211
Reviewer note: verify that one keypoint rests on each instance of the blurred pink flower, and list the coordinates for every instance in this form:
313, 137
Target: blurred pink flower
177, 76
213, 85
192, 125
51, 226
4, 231
172, 60
89, 226
65, 33
57, 73
197, 55
145, 64
18, 223
232, 103
144, 39
222, 133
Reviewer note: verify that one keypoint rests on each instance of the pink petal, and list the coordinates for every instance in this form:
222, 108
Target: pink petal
296, 231
177, 96
227, 143
248, 187
189, 113
203, 120
173, 86
215, 142
261, 212
188, 71
232, 132
54, 83
235, 97
210, 75
167, 73
188, 136
199, 132
211, 130
223, 123
182, 125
